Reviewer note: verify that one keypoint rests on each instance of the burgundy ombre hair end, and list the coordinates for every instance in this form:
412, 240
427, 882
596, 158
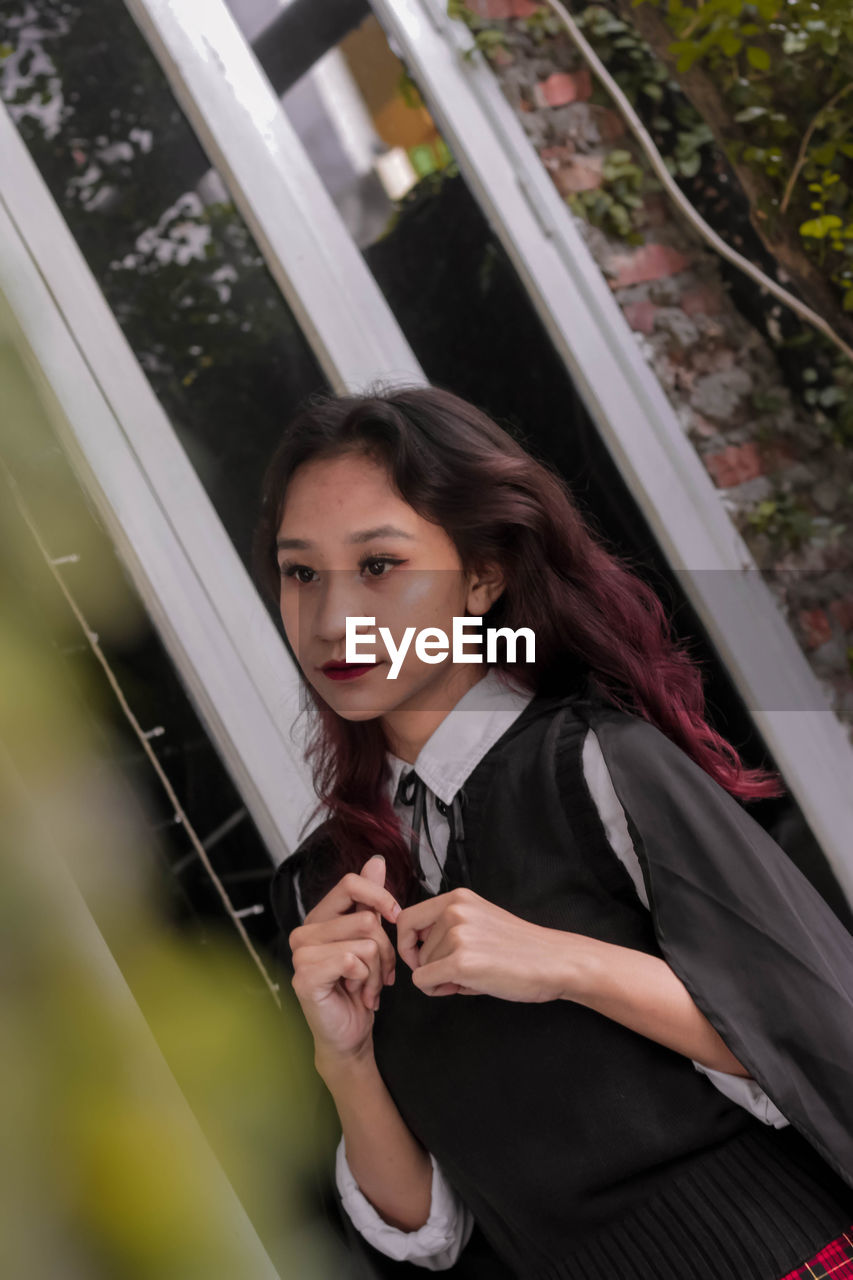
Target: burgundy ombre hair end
598, 626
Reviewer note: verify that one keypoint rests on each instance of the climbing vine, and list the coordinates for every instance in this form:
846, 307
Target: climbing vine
681, 135
785, 71
753, 95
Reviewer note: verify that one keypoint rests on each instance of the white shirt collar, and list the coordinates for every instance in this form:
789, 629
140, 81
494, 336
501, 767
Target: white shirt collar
466, 733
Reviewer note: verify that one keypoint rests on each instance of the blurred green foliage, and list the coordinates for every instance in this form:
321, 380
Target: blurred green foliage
160, 1112
785, 69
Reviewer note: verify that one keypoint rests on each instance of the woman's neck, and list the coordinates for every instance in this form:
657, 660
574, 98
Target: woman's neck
409, 727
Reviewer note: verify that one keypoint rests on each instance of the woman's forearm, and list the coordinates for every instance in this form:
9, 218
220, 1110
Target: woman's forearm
391, 1167
642, 992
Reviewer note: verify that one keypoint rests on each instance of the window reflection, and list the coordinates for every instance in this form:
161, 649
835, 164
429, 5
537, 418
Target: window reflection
462, 307
171, 254
47, 506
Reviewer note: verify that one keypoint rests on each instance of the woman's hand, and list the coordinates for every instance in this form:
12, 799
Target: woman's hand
472, 947
342, 959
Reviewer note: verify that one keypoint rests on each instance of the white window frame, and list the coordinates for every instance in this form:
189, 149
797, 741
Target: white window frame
244, 129
119, 439
129, 461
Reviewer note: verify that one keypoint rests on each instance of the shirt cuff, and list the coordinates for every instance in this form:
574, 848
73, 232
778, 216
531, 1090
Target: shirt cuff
747, 1093
435, 1246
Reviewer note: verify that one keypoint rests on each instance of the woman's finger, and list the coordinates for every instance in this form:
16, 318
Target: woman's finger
350, 891
317, 973
374, 870
442, 977
317, 968
362, 924
415, 924
436, 940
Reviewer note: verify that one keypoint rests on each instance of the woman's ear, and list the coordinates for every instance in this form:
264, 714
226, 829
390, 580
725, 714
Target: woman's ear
485, 586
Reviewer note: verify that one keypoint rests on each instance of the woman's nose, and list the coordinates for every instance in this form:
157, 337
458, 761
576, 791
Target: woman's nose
340, 596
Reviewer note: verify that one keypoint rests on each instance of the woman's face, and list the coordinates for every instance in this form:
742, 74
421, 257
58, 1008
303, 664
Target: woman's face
406, 573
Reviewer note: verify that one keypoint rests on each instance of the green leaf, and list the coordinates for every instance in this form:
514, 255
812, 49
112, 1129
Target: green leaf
750, 113
758, 58
847, 300
819, 228
730, 43
825, 154
686, 52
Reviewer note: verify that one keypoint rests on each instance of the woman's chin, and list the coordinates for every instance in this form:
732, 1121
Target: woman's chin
362, 698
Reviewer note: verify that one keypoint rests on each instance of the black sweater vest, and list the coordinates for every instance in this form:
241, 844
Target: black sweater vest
582, 1148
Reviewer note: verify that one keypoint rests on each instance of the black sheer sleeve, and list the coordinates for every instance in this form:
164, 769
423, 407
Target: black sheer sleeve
760, 951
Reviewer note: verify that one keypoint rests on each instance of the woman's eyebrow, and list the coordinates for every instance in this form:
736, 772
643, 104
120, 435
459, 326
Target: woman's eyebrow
366, 535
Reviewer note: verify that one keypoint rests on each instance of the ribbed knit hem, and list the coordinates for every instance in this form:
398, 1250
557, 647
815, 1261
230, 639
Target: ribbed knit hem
745, 1211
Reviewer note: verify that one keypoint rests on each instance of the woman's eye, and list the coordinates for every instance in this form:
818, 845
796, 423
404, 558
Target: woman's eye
293, 570
383, 560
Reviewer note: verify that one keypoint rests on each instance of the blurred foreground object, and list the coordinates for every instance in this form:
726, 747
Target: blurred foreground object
158, 1106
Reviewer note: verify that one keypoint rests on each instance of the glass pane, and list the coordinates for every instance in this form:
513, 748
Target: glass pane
56, 512
173, 257
467, 316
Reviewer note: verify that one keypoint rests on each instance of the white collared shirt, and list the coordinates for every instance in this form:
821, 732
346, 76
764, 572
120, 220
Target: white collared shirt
444, 763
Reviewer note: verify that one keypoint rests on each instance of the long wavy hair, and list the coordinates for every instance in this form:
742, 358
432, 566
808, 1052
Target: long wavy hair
599, 627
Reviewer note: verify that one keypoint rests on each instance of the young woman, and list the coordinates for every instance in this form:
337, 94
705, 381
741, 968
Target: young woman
620, 1040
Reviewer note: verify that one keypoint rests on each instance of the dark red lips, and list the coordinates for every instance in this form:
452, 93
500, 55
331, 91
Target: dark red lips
350, 672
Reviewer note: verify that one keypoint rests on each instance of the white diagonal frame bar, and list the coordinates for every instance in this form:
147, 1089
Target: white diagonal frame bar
637, 423
244, 129
152, 503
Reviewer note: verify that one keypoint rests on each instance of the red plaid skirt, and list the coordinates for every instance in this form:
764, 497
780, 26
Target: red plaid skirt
833, 1262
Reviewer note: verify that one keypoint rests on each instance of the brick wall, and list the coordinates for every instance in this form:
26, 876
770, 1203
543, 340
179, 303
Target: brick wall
784, 482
